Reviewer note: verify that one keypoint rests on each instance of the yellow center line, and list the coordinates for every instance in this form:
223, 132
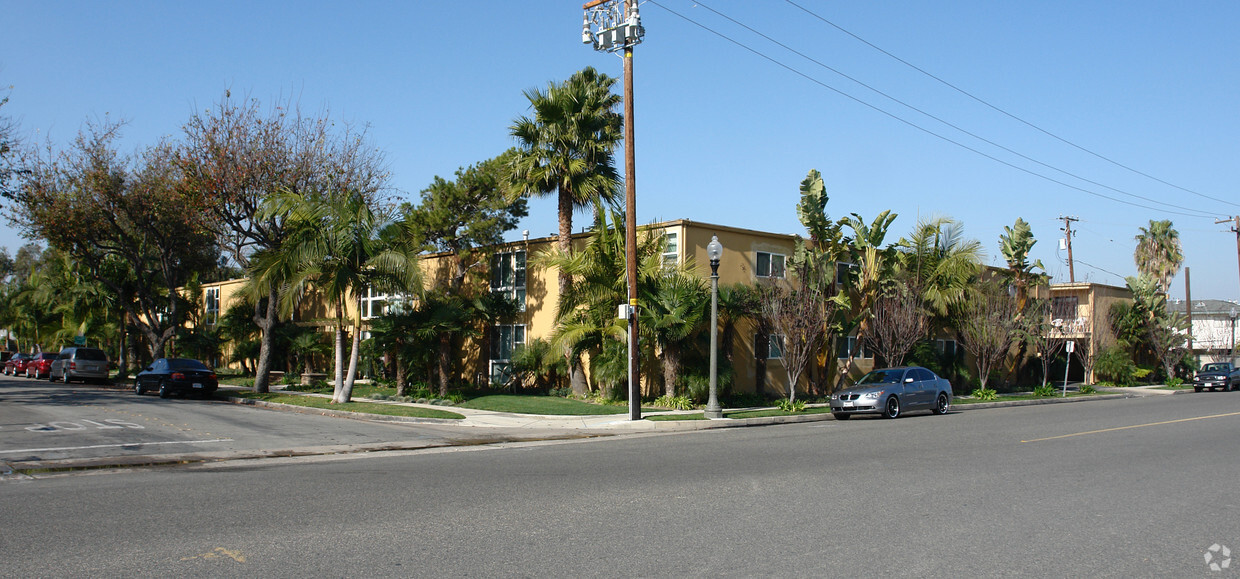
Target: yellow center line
1133, 426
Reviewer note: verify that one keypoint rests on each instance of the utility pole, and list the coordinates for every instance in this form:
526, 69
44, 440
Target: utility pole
1235, 227
1067, 230
615, 26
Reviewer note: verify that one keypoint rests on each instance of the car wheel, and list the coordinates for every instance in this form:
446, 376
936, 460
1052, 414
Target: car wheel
892, 408
138, 389
841, 415
163, 390
942, 405
1227, 387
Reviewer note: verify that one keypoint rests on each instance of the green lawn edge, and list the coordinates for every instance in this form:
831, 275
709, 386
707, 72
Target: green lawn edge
541, 405
359, 407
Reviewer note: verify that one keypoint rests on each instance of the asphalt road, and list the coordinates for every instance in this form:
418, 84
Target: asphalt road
1121, 488
46, 425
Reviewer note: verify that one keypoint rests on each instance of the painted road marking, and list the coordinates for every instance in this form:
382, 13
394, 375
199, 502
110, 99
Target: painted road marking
1132, 426
114, 445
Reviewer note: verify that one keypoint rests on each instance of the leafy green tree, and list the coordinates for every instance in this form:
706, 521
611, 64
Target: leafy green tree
130, 224
566, 148
468, 214
1158, 252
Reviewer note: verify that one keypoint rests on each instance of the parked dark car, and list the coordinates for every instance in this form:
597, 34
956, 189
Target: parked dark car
16, 364
892, 392
80, 363
182, 376
41, 365
1216, 376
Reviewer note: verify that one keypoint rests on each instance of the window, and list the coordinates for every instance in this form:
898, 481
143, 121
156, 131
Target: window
211, 310
768, 346
946, 347
845, 345
843, 273
1064, 307
504, 341
770, 265
374, 304
508, 276
671, 250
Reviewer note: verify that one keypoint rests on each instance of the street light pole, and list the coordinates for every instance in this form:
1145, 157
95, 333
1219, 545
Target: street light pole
714, 250
611, 26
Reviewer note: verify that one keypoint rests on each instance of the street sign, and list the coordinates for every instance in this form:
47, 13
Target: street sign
79, 340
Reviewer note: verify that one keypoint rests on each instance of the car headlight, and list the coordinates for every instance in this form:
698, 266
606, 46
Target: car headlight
872, 395
835, 396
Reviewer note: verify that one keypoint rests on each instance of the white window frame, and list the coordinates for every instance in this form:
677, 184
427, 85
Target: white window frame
373, 299
211, 307
671, 249
773, 339
770, 265
518, 261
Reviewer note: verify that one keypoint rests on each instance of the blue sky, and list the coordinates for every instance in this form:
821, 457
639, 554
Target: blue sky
724, 135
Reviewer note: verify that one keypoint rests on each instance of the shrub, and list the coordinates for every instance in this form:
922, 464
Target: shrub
787, 406
1175, 382
1114, 365
985, 394
1044, 390
746, 400
1086, 389
675, 403
562, 392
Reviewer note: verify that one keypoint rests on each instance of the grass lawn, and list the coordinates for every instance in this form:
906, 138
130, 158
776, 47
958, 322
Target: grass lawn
776, 412
669, 417
544, 405
362, 407
1180, 387
1009, 398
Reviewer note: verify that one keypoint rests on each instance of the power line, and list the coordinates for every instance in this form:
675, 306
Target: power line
1005, 113
1202, 214
776, 62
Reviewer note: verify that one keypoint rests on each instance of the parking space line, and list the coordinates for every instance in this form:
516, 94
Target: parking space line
1132, 426
114, 445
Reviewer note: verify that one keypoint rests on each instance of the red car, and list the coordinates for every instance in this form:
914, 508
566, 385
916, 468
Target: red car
16, 364
41, 365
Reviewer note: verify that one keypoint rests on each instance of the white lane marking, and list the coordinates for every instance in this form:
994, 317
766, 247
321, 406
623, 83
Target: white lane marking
114, 445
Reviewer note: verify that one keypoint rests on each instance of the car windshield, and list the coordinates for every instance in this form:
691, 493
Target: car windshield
882, 377
186, 364
1216, 367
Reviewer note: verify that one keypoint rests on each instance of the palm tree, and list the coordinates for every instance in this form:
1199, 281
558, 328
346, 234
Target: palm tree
942, 262
566, 148
586, 313
676, 313
1158, 253
341, 244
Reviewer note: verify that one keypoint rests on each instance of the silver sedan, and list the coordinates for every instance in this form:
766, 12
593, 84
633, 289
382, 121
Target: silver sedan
892, 392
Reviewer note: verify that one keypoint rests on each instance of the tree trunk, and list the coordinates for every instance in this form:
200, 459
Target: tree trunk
402, 387
671, 367
445, 363
347, 393
338, 385
266, 324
